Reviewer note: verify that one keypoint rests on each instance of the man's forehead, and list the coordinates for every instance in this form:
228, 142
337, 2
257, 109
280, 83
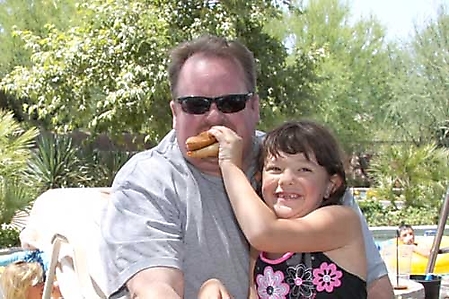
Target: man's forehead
210, 76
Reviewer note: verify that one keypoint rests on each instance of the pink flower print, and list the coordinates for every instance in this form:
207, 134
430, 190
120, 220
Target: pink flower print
326, 277
270, 285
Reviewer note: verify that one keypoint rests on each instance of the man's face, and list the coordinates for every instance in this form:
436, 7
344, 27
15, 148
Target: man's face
212, 77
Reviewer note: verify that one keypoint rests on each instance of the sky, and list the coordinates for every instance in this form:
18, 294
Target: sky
399, 16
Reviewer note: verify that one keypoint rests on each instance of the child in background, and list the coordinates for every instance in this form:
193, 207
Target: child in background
305, 243
25, 280
24, 271
407, 237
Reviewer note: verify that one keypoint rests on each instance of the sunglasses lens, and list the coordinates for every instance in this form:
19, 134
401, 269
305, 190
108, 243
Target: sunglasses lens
227, 104
195, 105
232, 103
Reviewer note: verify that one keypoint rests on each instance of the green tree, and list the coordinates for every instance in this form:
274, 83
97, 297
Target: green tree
27, 15
420, 112
109, 74
352, 73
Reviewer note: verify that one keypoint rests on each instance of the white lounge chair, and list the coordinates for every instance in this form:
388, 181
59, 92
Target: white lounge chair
65, 223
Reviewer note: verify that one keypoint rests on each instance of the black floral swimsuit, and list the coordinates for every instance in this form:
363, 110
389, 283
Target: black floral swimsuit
301, 276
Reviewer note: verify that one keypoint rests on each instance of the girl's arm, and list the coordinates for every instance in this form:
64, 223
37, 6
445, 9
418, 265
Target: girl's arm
324, 229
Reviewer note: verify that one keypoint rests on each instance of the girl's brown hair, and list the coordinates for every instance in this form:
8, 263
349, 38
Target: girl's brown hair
309, 138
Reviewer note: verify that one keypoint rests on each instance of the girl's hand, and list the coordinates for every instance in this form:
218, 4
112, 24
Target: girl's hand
231, 145
213, 289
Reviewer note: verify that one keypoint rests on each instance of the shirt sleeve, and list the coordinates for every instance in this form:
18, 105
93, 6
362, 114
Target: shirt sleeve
141, 226
376, 266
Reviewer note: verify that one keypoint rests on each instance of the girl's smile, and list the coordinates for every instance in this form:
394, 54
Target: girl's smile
293, 185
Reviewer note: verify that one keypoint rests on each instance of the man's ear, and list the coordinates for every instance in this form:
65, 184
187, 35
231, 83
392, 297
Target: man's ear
174, 112
256, 107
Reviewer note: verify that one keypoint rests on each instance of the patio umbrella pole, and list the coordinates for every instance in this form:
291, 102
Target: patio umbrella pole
439, 234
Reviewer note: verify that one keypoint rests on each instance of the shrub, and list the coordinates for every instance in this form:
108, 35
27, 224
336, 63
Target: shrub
15, 145
102, 166
15, 195
9, 236
16, 191
55, 163
377, 214
419, 172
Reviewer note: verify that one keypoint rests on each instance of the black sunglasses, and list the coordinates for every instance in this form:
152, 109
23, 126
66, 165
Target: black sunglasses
229, 103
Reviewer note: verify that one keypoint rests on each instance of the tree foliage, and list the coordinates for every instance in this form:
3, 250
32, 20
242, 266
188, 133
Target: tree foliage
351, 72
27, 15
420, 112
109, 74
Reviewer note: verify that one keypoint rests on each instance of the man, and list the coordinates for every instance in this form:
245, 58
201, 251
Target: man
169, 226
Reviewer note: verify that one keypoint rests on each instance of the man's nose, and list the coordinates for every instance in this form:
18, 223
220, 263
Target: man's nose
214, 115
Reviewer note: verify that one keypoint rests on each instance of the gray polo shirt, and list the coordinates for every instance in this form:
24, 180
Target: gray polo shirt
165, 213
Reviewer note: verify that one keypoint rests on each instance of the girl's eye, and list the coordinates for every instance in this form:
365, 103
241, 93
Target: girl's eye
304, 169
272, 168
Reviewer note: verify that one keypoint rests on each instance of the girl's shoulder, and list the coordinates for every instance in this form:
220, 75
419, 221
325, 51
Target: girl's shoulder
347, 210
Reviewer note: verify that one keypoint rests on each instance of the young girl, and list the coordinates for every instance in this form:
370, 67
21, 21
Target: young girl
310, 246
25, 280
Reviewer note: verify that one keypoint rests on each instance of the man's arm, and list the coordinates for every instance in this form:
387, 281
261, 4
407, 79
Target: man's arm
159, 282
380, 288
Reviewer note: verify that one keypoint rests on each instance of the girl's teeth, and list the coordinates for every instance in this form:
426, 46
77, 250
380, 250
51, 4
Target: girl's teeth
288, 196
